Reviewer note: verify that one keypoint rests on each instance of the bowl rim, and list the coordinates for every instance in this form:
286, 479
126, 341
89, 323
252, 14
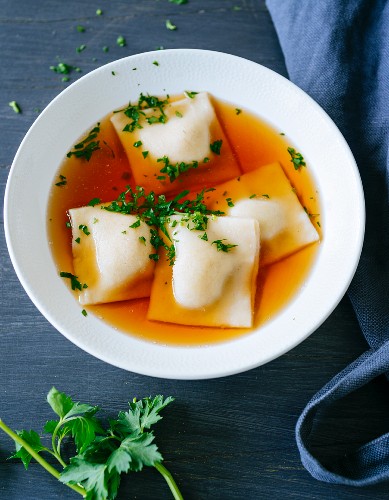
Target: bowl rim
215, 360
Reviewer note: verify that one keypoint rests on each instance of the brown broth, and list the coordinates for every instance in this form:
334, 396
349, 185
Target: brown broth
107, 174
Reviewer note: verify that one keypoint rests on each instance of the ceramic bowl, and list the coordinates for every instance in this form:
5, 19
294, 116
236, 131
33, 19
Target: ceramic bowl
229, 78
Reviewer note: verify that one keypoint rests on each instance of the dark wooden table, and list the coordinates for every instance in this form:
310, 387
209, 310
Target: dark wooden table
229, 438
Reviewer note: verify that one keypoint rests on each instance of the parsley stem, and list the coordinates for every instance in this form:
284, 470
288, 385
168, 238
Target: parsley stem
170, 481
57, 446
38, 458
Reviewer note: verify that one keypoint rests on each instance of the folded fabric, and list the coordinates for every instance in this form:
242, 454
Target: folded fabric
338, 52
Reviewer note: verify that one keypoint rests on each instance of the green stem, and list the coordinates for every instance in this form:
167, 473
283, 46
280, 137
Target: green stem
37, 457
56, 446
170, 481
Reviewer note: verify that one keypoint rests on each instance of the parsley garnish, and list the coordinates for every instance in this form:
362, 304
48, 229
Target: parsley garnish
178, 2
156, 63
223, 247
142, 239
216, 146
173, 171
136, 111
94, 201
178, 114
145, 154
80, 28
84, 229
121, 41
62, 182
105, 48
238, 111
266, 196
136, 224
103, 452
170, 26
171, 254
296, 158
78, 240
137, 144
87, 146
81, 48
190, 94
204, 237
84, 313
230, 202
74, 283
15, 106
99, 12
156, 211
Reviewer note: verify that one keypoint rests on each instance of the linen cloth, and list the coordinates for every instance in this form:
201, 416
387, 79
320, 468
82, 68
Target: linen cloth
338, 52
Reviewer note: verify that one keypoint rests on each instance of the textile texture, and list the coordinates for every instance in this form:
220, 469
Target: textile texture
338, 52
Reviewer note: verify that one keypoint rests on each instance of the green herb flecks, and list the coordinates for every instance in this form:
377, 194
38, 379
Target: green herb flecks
175, 170
179, 2
238, 111
137, 144
121, 41
74, 283
84, 229
87, 146
170, 26
81, 48
156, 212
216, 146
80, 29
136, 111
15, 107
230, 203
190, 94
156, 63
103, 453
62, 181
99, 12
296, 158
84, 313
223, 247
93, 202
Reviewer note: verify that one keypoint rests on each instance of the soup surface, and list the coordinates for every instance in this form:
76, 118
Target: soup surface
106, 175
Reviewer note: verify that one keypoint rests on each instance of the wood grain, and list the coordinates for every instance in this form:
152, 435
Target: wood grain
229, 438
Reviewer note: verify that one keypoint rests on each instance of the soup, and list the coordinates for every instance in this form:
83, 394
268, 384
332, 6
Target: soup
252, 144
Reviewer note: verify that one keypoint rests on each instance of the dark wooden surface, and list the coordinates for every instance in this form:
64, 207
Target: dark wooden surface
229, 438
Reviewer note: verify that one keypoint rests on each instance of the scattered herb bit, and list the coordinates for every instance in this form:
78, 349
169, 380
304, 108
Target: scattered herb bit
252, 196
154, 256
62, 68
136, 224
15, 107
216, 146
170, 26
204, 237
310, 215
80, 48
266, 196
190, 94
78, 70
134, 69
87, 146
161, 177
102, 454
160, 47
65, 79
62, 182
206, 159
105, 48
156, 63
230, 202
137, 144
145, 154
68, 225
94, 201
99, 12
84, 313
179, 2
236, 8
74, 283
174, 171
80, 29
296, 158
121, 41
223, 247
84, 229
238, 111
113, 73
37, 110
124, 232
178, 114
78, 240
282, 133
142, 239
136, 111
318, 223
171, 255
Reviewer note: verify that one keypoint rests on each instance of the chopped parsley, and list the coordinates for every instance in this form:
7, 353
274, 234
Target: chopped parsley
156, 63
155, 211
238, 111
64, 69
142, 239
190, 94
113, 73
87, 146
84, 313
178, 2
62, 182
68, 225
137, 144
174, 171
223, 247
78, 240
94, 201
204, 237
236, 8
121, 41
105, 48
81, 48
136, 224
84, 229
266, 196
15, 107
99, 12
178, 114
65, 79
252, 196
170, 26
282, 133
216, 146
145, 154
74, 283
136, 111
171, 254
80, 29
296, 158
230, 202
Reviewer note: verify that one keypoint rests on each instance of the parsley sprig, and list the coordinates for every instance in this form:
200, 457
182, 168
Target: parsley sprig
87, 146
156, 212
102, 454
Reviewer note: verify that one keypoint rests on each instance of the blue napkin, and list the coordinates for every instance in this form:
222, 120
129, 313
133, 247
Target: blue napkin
338, 52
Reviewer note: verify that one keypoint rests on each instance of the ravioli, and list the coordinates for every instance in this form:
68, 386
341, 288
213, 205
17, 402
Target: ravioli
190, 127
113, 259
267, 195
207, 286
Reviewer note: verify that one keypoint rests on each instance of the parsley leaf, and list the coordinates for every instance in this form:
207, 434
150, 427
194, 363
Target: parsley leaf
87, 146
32, 439
216, 146
296, 158
15, 106
223, 247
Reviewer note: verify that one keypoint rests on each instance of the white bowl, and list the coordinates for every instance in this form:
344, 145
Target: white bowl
230, 78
